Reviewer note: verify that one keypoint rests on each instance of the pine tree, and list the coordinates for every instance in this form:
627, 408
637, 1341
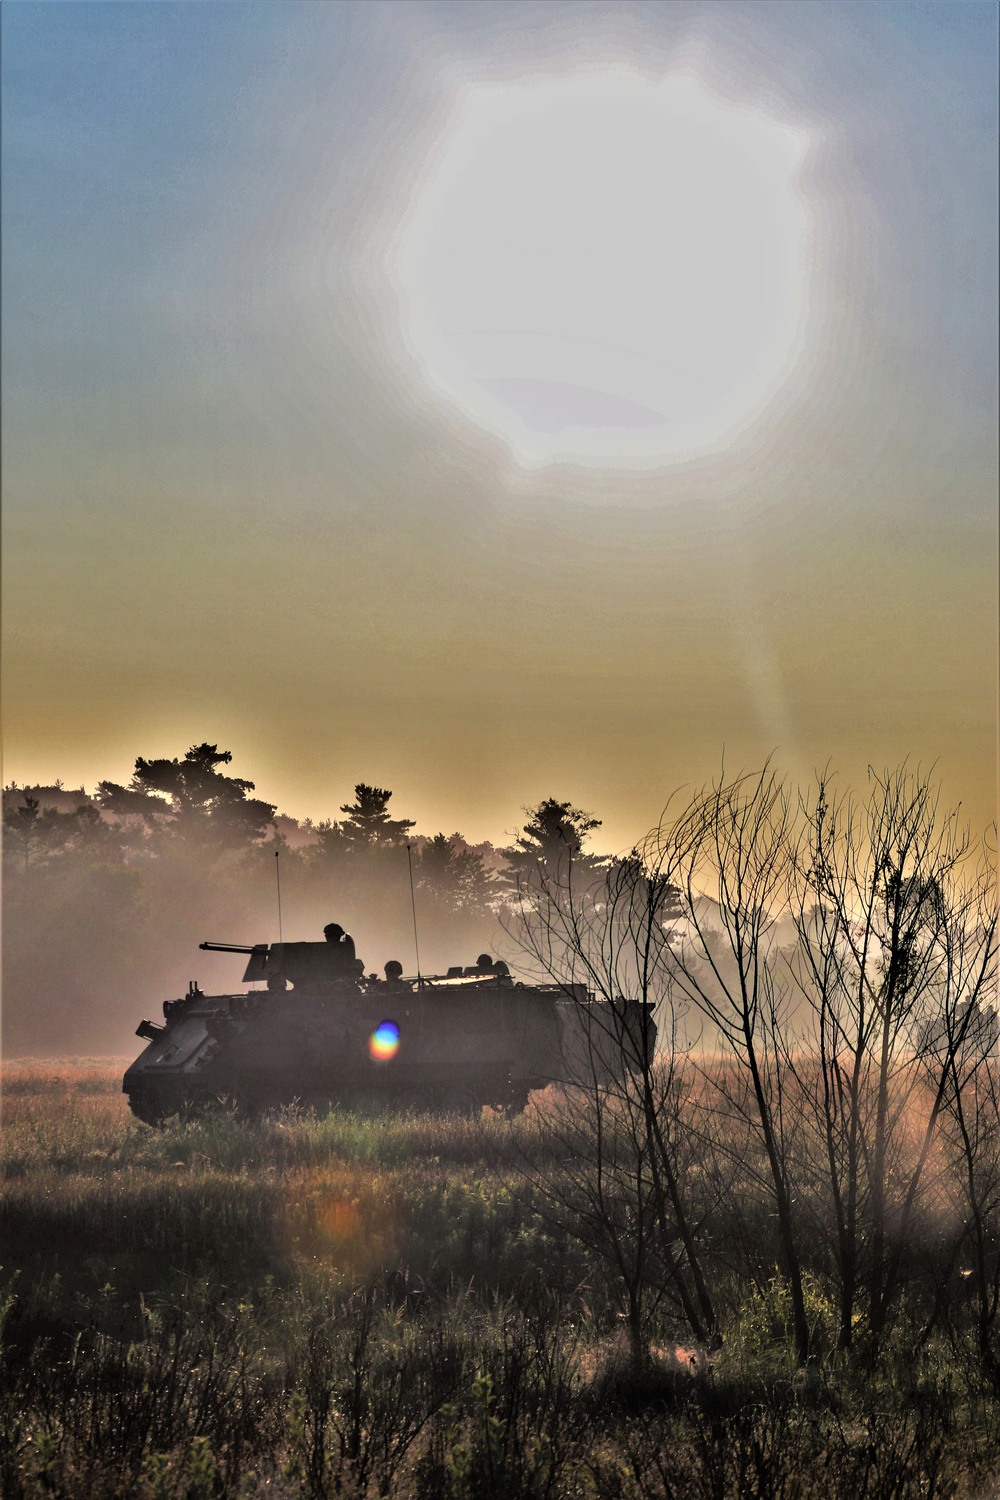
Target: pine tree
191, 797
454, 872
368, 824
551, 843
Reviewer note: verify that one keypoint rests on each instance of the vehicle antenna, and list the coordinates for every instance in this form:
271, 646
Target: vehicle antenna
277, 876
413, 907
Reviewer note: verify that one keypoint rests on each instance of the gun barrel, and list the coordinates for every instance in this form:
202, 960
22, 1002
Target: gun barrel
233, 947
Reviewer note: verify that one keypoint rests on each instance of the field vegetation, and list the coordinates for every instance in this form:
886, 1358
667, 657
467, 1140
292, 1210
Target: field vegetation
440, 1307
750, 1246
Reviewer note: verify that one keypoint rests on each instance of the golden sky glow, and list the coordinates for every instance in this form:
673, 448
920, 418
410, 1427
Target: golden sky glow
262, 489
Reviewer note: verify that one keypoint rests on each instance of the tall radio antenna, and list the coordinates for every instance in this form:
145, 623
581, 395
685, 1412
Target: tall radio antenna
277, 876
413, 908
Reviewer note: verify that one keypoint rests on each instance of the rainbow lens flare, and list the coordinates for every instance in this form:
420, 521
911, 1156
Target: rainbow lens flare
383, 1044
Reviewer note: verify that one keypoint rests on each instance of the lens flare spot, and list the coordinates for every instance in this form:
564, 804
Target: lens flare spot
340, 1221
383, 1044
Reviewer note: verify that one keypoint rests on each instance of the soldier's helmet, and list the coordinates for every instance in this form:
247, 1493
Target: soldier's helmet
333, 932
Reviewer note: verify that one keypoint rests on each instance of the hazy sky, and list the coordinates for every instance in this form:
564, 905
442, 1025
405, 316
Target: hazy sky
253, 495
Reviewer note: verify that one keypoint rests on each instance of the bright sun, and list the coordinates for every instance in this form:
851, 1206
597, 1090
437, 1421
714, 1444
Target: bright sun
607, 269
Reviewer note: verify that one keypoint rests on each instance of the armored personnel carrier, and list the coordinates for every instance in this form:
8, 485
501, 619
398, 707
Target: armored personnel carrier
319, 1032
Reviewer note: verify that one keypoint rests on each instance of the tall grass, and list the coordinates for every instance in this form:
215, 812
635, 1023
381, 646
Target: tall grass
379, 1306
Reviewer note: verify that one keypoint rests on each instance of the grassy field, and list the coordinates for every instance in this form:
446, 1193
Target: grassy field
406, 1307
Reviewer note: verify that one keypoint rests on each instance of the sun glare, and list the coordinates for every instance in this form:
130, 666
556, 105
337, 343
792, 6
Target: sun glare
607, 269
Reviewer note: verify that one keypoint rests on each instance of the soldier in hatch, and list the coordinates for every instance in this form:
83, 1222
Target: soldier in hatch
341, 942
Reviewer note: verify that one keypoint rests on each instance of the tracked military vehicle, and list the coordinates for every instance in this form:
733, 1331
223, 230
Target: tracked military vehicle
318, 1032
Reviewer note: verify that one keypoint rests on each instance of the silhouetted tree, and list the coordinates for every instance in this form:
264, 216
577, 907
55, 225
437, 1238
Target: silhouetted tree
453, 872
896, 951
191, 797
35, 835
21, 828
972, 1151
550, 842
630, 1185
330, 843
734, 842
368, 824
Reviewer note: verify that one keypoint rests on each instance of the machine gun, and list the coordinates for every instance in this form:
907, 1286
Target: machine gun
263, 960
300, 963
233, 947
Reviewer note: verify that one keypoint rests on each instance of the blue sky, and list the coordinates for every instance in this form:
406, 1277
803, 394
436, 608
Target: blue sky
222, 468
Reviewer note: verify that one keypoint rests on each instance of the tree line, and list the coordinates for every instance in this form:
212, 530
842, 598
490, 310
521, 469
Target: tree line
107, 894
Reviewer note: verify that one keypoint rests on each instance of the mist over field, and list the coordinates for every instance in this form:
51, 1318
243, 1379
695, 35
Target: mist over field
108, 895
